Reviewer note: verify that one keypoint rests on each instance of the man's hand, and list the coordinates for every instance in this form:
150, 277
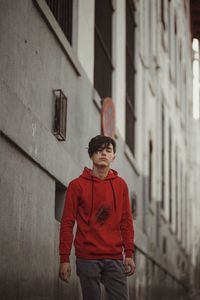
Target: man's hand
129, 266
65, 271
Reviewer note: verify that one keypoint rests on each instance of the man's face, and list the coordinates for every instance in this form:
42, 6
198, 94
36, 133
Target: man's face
104, 156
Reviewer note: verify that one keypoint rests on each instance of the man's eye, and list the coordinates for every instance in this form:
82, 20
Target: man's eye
99, 150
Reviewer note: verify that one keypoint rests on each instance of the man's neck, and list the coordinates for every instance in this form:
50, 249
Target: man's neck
100, 172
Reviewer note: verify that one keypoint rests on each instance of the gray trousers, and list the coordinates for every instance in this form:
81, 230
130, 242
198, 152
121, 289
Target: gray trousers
109, 272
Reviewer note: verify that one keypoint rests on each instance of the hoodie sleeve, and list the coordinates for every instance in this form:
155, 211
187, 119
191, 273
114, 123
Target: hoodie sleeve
68, 220
127, 229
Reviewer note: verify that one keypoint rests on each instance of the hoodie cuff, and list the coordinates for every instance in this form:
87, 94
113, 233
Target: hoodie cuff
129, 254
64, 258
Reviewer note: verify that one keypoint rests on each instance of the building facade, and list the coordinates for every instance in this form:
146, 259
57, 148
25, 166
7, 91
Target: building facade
59, 60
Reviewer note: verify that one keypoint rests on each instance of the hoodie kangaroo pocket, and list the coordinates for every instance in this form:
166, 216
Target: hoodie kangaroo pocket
103, 241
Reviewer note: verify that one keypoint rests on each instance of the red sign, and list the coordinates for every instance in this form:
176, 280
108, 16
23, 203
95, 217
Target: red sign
108, 118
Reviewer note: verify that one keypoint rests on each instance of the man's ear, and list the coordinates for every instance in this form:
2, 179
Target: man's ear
114, 157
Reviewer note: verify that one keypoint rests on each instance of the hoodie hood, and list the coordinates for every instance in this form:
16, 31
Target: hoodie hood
87, 174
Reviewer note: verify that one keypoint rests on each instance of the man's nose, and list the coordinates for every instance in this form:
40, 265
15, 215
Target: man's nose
103, 152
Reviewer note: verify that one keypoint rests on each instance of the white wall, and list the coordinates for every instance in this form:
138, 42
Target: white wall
85, 24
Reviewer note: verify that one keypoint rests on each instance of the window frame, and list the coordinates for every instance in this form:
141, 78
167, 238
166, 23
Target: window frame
130, 62
57, 11
103, 88
57, 31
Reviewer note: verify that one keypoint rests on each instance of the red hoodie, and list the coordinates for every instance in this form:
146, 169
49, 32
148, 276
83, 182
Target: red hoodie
104, 220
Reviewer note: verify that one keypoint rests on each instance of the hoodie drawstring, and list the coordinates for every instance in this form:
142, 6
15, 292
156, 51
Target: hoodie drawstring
113, 193
92, 200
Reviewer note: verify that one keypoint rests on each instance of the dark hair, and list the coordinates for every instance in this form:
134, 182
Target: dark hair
100, 142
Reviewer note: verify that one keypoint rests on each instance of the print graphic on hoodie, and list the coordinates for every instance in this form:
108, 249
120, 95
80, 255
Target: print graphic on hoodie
101, 209
102, 214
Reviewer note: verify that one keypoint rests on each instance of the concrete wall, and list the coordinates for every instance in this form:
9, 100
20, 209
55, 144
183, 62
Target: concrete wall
27, 227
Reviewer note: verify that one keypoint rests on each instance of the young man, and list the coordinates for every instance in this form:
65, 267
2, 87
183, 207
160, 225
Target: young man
98, 201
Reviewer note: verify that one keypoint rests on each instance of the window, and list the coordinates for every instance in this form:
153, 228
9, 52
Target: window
60, 192
175, 49
169, 28
162, 8
130, 74
176, 186
163, 159
186, 210
170, 174
103, 48
62, 11
181, 202
150, 169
